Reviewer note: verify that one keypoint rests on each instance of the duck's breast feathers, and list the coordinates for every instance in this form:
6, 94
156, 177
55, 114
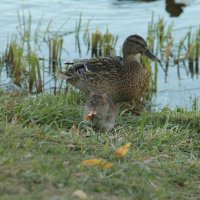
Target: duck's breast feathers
98, 65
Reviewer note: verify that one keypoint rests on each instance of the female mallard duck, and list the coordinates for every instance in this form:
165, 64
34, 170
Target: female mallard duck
122, 79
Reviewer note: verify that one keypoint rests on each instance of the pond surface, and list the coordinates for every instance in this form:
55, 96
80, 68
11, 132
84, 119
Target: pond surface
123, 18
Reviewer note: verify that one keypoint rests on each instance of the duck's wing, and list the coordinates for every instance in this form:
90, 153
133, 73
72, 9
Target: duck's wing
98, 66
103, 65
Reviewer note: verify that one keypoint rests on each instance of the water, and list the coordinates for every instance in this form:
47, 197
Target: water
122, 18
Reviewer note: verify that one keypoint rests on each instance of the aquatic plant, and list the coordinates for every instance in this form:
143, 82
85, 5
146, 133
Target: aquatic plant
77, 34
99, 43
55, 50
15, 61
103, 44
34, 77
161, 40
86, 36
22, 52
1, 63
195, 104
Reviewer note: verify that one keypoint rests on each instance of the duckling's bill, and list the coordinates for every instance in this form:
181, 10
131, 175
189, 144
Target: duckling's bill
90, 115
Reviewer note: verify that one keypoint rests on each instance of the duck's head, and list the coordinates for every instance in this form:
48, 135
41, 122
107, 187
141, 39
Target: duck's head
134, 44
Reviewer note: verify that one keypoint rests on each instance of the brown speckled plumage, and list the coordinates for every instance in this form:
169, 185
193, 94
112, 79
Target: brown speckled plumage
122, 79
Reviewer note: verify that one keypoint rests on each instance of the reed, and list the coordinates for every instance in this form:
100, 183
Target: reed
197, 47
55, 45
161, 41
195, 104
86, 36
29, 37
21, 54
103, 44
192, 51
96, 43
110, 42
15, 61
160, 28
191, 57
34, 77
2, 62
25, 30
77, 34
158, 34
168, 52
188, 51
151, 34
179, 50
150, 89
155, 79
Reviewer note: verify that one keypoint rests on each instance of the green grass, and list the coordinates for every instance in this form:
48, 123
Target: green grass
43, 142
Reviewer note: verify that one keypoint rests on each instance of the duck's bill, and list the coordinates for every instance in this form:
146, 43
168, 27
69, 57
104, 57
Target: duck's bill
150, 55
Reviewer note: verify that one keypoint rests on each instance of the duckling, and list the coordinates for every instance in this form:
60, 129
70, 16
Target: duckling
101, 111
123, 79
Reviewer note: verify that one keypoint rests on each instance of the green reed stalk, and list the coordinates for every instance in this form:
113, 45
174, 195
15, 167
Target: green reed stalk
38, 31
96, 43
103, 44
55, 49
77, 34
168, 51
34, 73
195, 104
150, 82
155, 82
86, 36
16, 61
197, 46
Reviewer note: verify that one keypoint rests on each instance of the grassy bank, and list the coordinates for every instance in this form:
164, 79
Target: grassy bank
43, 142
